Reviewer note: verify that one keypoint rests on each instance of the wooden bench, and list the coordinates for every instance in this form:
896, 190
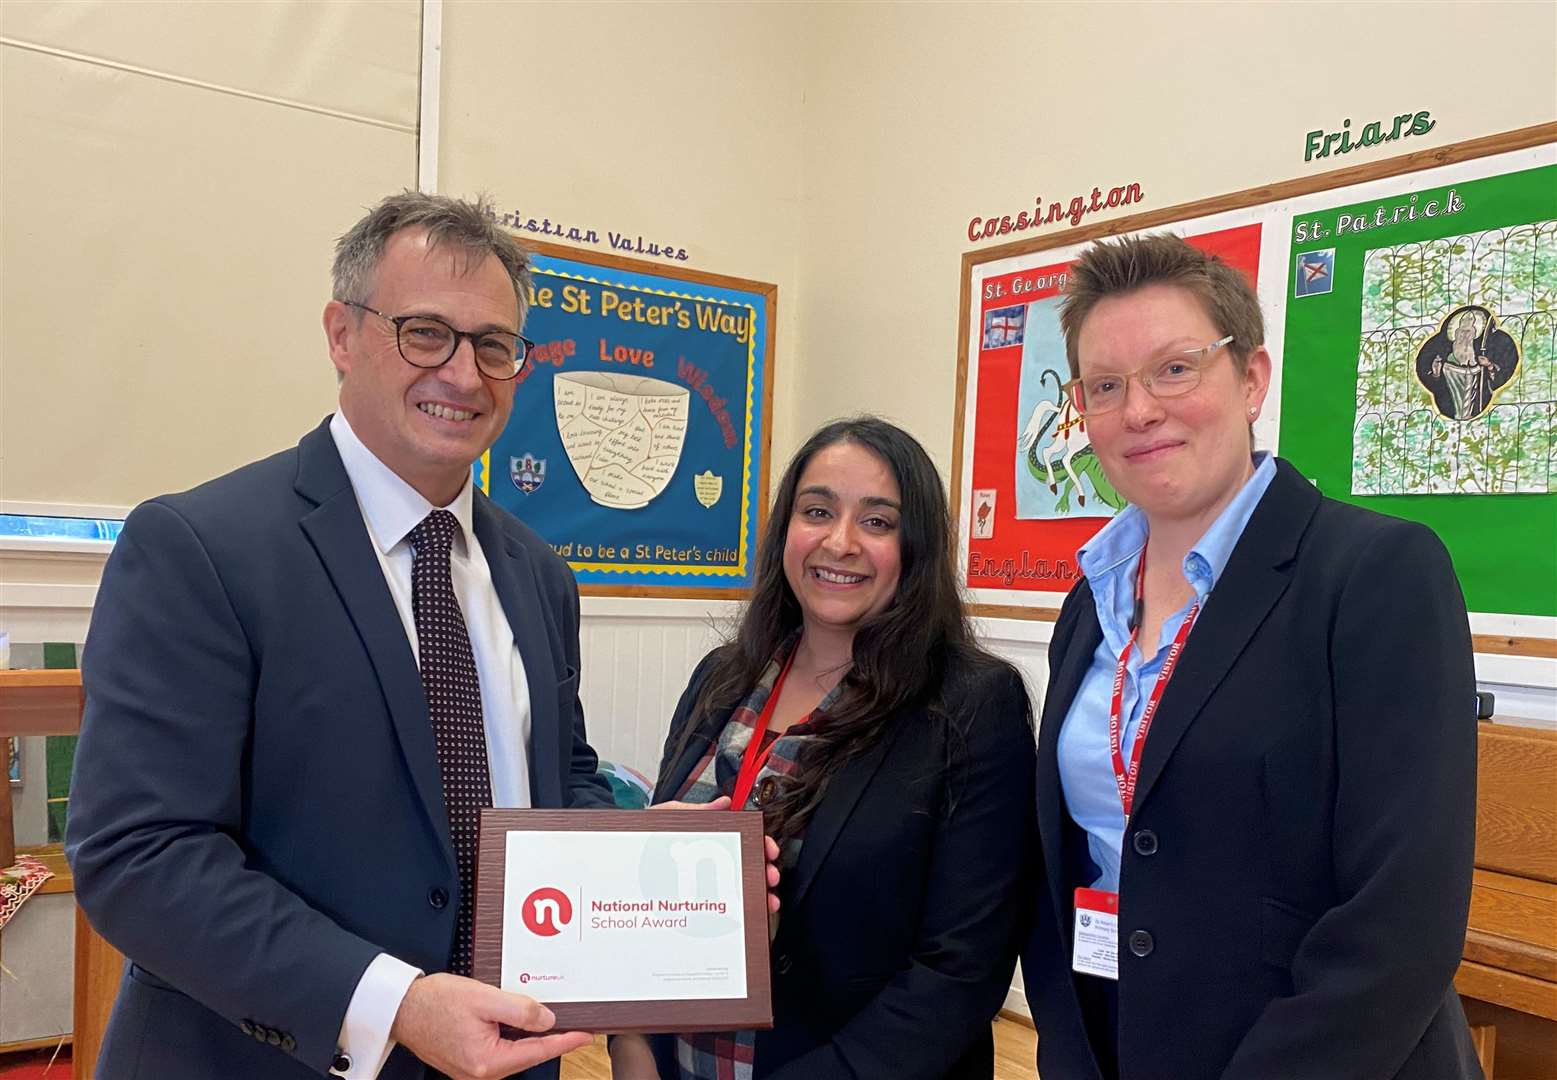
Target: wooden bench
49, 703
1508, 977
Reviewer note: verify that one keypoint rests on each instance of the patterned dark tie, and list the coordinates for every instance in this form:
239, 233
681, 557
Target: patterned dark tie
453, 705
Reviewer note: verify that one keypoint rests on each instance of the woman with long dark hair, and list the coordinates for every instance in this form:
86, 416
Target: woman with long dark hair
894, 765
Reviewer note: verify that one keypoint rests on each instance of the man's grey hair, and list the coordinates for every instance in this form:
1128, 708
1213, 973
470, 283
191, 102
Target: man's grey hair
470, 227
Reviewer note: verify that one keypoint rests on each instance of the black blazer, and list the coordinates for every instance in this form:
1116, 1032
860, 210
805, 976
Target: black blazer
257, 810
1296, 875
900, 924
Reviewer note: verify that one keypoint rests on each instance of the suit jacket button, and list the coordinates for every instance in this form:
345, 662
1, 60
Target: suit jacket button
288, 1043
783, 964
245, 1027
259, 1033
1141, 943
341, 1064
273, 1037
1145, 842
438, 897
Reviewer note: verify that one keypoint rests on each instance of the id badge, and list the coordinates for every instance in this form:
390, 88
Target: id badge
1096, 933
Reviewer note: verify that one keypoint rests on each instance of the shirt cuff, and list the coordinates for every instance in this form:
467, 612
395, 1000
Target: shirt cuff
364, 1042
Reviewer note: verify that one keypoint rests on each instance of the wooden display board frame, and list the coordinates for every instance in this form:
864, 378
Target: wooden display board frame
1044, 605
678, 281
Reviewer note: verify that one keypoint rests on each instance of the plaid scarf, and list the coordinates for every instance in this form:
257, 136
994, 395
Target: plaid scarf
728, 1055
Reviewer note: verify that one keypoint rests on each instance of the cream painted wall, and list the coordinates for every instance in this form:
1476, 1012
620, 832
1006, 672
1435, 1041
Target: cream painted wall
835, 149
172, 180
680, 122
920, 116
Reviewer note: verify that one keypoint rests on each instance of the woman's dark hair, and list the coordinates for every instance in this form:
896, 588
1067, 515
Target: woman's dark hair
900, 653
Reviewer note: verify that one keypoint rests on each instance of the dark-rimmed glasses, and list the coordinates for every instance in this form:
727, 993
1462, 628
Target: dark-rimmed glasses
428, 342
1168, 376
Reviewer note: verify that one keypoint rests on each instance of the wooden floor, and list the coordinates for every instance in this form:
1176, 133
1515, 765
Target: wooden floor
1015, 1046
1015, 1049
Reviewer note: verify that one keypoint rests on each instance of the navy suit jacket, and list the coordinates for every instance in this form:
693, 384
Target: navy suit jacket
900, 923
1296, 874
257, 810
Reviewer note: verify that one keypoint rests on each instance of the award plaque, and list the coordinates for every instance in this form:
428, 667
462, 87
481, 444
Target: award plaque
626, 920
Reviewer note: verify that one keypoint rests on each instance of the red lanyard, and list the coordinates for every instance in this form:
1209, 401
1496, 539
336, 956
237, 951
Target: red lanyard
1126, 780
756, 755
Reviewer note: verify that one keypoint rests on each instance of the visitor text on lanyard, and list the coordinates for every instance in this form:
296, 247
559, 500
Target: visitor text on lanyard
1095, 935
1123, 777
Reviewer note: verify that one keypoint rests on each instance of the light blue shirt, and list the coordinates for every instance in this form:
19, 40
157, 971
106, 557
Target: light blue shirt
1110, 563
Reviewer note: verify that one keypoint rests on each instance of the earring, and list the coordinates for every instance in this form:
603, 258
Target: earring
1252, 411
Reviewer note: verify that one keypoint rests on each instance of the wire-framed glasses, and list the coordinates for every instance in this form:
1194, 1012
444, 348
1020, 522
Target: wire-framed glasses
428, 342
1167, 376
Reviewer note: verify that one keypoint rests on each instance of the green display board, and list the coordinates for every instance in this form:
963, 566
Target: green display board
1419, 366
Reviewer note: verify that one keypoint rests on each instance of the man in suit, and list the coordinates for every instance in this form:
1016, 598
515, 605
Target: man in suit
305, 678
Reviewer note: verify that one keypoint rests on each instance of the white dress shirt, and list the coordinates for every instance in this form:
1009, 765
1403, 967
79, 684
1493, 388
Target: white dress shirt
391, 508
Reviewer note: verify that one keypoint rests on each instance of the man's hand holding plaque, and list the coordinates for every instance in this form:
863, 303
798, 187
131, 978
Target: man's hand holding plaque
455, 1025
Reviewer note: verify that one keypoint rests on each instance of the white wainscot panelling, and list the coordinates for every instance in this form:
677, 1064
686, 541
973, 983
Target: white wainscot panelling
636, 657
47, 587
1025, 643
1525, 686
638, 653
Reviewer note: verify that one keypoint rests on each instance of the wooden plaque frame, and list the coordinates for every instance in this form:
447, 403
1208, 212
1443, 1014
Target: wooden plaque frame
755, 1010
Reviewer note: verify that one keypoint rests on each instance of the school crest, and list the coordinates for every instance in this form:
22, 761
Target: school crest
528, 472
707, 487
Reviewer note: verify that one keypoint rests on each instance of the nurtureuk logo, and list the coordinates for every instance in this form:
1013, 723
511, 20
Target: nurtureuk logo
546, 911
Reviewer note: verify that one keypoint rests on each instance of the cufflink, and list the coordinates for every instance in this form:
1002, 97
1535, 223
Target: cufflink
341, 1064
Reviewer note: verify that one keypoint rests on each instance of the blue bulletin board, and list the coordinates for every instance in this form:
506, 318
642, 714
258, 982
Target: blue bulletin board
638, 444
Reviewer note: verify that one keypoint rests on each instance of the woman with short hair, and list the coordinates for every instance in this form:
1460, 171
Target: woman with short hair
1257, 759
